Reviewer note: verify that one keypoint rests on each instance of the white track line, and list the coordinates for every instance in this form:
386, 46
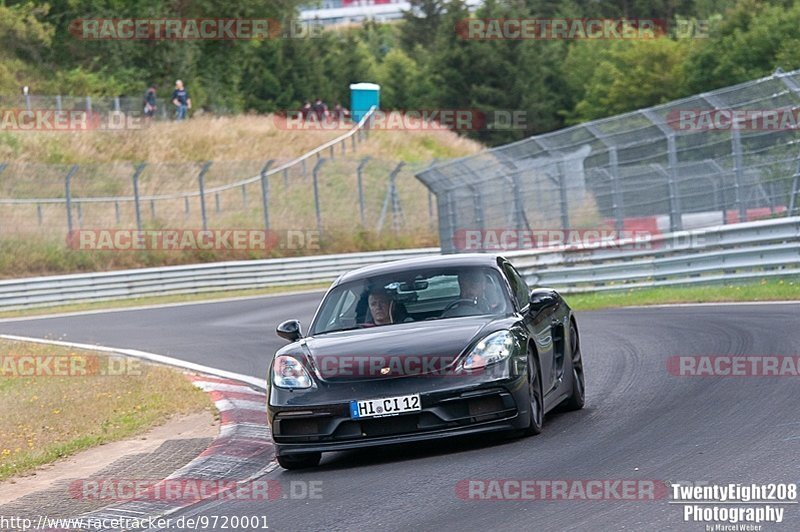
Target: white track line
152, 357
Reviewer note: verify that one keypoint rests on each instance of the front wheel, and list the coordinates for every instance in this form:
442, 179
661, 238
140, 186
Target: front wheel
535, 397
578, 397
299, 461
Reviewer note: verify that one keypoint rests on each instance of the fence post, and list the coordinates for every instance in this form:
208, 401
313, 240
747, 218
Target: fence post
391, 196
616, 193
136, 200
116, 103
201, 181
244, 196
562, 192
27, 102
3, 166
116, 211
478, 206
265, 192
216, 202
397, 210
430, 194
315, 175
186, 208
88, 104
452, 221
68, 191
152, 209
359, 173
738, 172
39, 213
675, 214
80, 214
58, 102
793, 203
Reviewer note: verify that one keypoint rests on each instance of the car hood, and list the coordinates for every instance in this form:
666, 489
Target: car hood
406, 349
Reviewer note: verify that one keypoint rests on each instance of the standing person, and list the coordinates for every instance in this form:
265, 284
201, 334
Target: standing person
340, 113
305, 111
150, 103
320, 109
181, 100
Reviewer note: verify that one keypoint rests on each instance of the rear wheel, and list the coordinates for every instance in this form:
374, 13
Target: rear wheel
577, 399
299, 461
535, 397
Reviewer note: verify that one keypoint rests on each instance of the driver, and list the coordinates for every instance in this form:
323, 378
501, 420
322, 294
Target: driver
472, 284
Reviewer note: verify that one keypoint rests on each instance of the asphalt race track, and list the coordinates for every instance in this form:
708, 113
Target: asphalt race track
640, 422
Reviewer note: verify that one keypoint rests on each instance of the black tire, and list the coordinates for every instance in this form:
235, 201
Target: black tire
535, 397
578, 397
299, 461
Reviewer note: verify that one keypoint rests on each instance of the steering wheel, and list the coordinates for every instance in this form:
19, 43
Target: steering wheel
457, 303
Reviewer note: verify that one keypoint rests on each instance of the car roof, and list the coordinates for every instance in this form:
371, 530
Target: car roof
429, 261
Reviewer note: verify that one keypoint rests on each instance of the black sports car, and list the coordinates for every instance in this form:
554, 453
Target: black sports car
420, 349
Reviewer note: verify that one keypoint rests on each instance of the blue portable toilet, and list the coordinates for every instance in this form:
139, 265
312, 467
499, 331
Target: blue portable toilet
363, 96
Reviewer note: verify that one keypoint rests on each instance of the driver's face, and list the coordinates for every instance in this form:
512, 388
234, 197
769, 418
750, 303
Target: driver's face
379, 307
472, 287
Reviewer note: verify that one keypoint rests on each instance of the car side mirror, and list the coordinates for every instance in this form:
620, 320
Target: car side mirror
542, 299
290, 330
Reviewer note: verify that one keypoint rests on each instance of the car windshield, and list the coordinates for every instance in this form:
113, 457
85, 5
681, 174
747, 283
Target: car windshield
410, 296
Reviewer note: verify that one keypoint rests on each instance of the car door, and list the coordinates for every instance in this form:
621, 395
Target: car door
538, 324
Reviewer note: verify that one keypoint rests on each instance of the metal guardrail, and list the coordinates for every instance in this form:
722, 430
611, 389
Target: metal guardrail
729, 253
753, 250
17, 294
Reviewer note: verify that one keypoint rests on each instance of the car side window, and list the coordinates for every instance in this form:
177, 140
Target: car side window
518, 285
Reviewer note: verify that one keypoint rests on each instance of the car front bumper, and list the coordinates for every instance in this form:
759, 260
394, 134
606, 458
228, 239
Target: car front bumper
450, 407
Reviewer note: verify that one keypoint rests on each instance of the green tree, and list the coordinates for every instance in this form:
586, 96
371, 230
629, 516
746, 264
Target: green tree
626, 75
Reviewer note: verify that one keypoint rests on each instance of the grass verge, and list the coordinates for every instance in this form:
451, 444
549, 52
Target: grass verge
49, 417
765, 290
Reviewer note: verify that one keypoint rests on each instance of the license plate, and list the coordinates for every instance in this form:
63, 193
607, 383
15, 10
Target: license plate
390, 406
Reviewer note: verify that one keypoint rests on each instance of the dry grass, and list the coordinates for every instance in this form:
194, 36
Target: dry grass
34, 237
249, 137
47, 417
239, 138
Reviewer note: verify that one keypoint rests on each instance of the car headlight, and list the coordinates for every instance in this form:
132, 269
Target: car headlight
288, 372
495, 347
